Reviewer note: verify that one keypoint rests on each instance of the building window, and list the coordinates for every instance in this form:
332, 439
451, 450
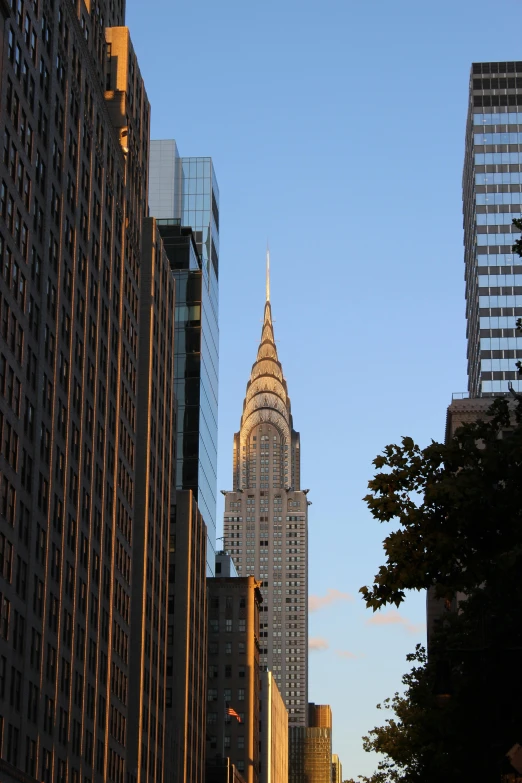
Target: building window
212, 694
228, 626
241, 694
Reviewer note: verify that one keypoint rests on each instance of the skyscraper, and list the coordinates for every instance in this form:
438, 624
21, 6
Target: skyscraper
492, 196
184, 195
266, 520
73, 194
310, 748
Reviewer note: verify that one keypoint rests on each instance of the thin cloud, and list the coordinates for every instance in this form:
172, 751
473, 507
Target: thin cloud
318, 643
392, 617
347, 654
316, 602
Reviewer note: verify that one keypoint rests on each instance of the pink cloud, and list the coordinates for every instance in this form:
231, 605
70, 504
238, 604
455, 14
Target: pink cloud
316, 602
392, 617
318, 643
347, 654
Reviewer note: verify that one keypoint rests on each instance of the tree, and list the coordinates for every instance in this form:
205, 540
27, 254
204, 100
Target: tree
458, 514
458, 506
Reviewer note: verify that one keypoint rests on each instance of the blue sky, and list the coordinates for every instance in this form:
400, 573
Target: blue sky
337, 131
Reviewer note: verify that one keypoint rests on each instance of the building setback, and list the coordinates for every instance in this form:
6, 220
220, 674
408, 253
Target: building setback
492, 198
266, 521
233, 673
273, 744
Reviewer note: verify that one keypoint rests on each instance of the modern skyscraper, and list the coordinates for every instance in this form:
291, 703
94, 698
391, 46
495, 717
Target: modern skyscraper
492, 195
73, 195
184, 194
266, 520
310, 748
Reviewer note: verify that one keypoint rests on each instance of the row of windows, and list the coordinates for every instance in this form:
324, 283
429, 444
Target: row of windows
499, 178
496, 218
497, 365
506, 118
498, 322
213, 648
228, 626
498, 198
497, 239
500, 343
213, 670
498, 138
497, 158
500, 386
494, 281
500, 301
212, 694
498, 259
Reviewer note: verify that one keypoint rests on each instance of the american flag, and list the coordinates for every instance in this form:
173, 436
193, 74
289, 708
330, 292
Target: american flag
231, 711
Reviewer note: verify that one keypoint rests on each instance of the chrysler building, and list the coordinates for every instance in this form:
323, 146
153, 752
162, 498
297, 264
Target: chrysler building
265, 523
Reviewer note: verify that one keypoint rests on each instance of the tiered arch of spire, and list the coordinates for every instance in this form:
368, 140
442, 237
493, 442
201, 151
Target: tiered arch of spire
266, 399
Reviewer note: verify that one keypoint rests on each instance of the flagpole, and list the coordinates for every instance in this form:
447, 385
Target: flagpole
224, 725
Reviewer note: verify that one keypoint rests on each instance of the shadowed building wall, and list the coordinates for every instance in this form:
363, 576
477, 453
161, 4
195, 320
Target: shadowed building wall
73, 194
155, 467
187, 643
233, 672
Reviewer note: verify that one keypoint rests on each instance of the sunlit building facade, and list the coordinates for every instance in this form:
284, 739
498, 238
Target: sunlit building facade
310, 748
73, 194
266, 521
337, 769
492, 197
273, 741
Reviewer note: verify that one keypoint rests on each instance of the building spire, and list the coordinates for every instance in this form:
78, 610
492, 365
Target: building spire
267, 273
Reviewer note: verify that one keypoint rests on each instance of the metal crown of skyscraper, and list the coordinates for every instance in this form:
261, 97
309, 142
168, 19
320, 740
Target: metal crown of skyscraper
266, 520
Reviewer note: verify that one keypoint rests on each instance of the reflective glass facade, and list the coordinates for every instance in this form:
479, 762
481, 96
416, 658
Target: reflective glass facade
492, 198
184, 192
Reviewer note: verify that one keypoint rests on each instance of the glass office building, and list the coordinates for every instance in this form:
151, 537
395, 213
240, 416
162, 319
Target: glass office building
184, 195
492, 198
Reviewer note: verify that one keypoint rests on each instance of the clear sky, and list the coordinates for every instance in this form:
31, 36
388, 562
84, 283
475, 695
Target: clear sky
337, 131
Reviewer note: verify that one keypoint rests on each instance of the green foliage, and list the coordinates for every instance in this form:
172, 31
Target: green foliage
457, 508
457, 515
